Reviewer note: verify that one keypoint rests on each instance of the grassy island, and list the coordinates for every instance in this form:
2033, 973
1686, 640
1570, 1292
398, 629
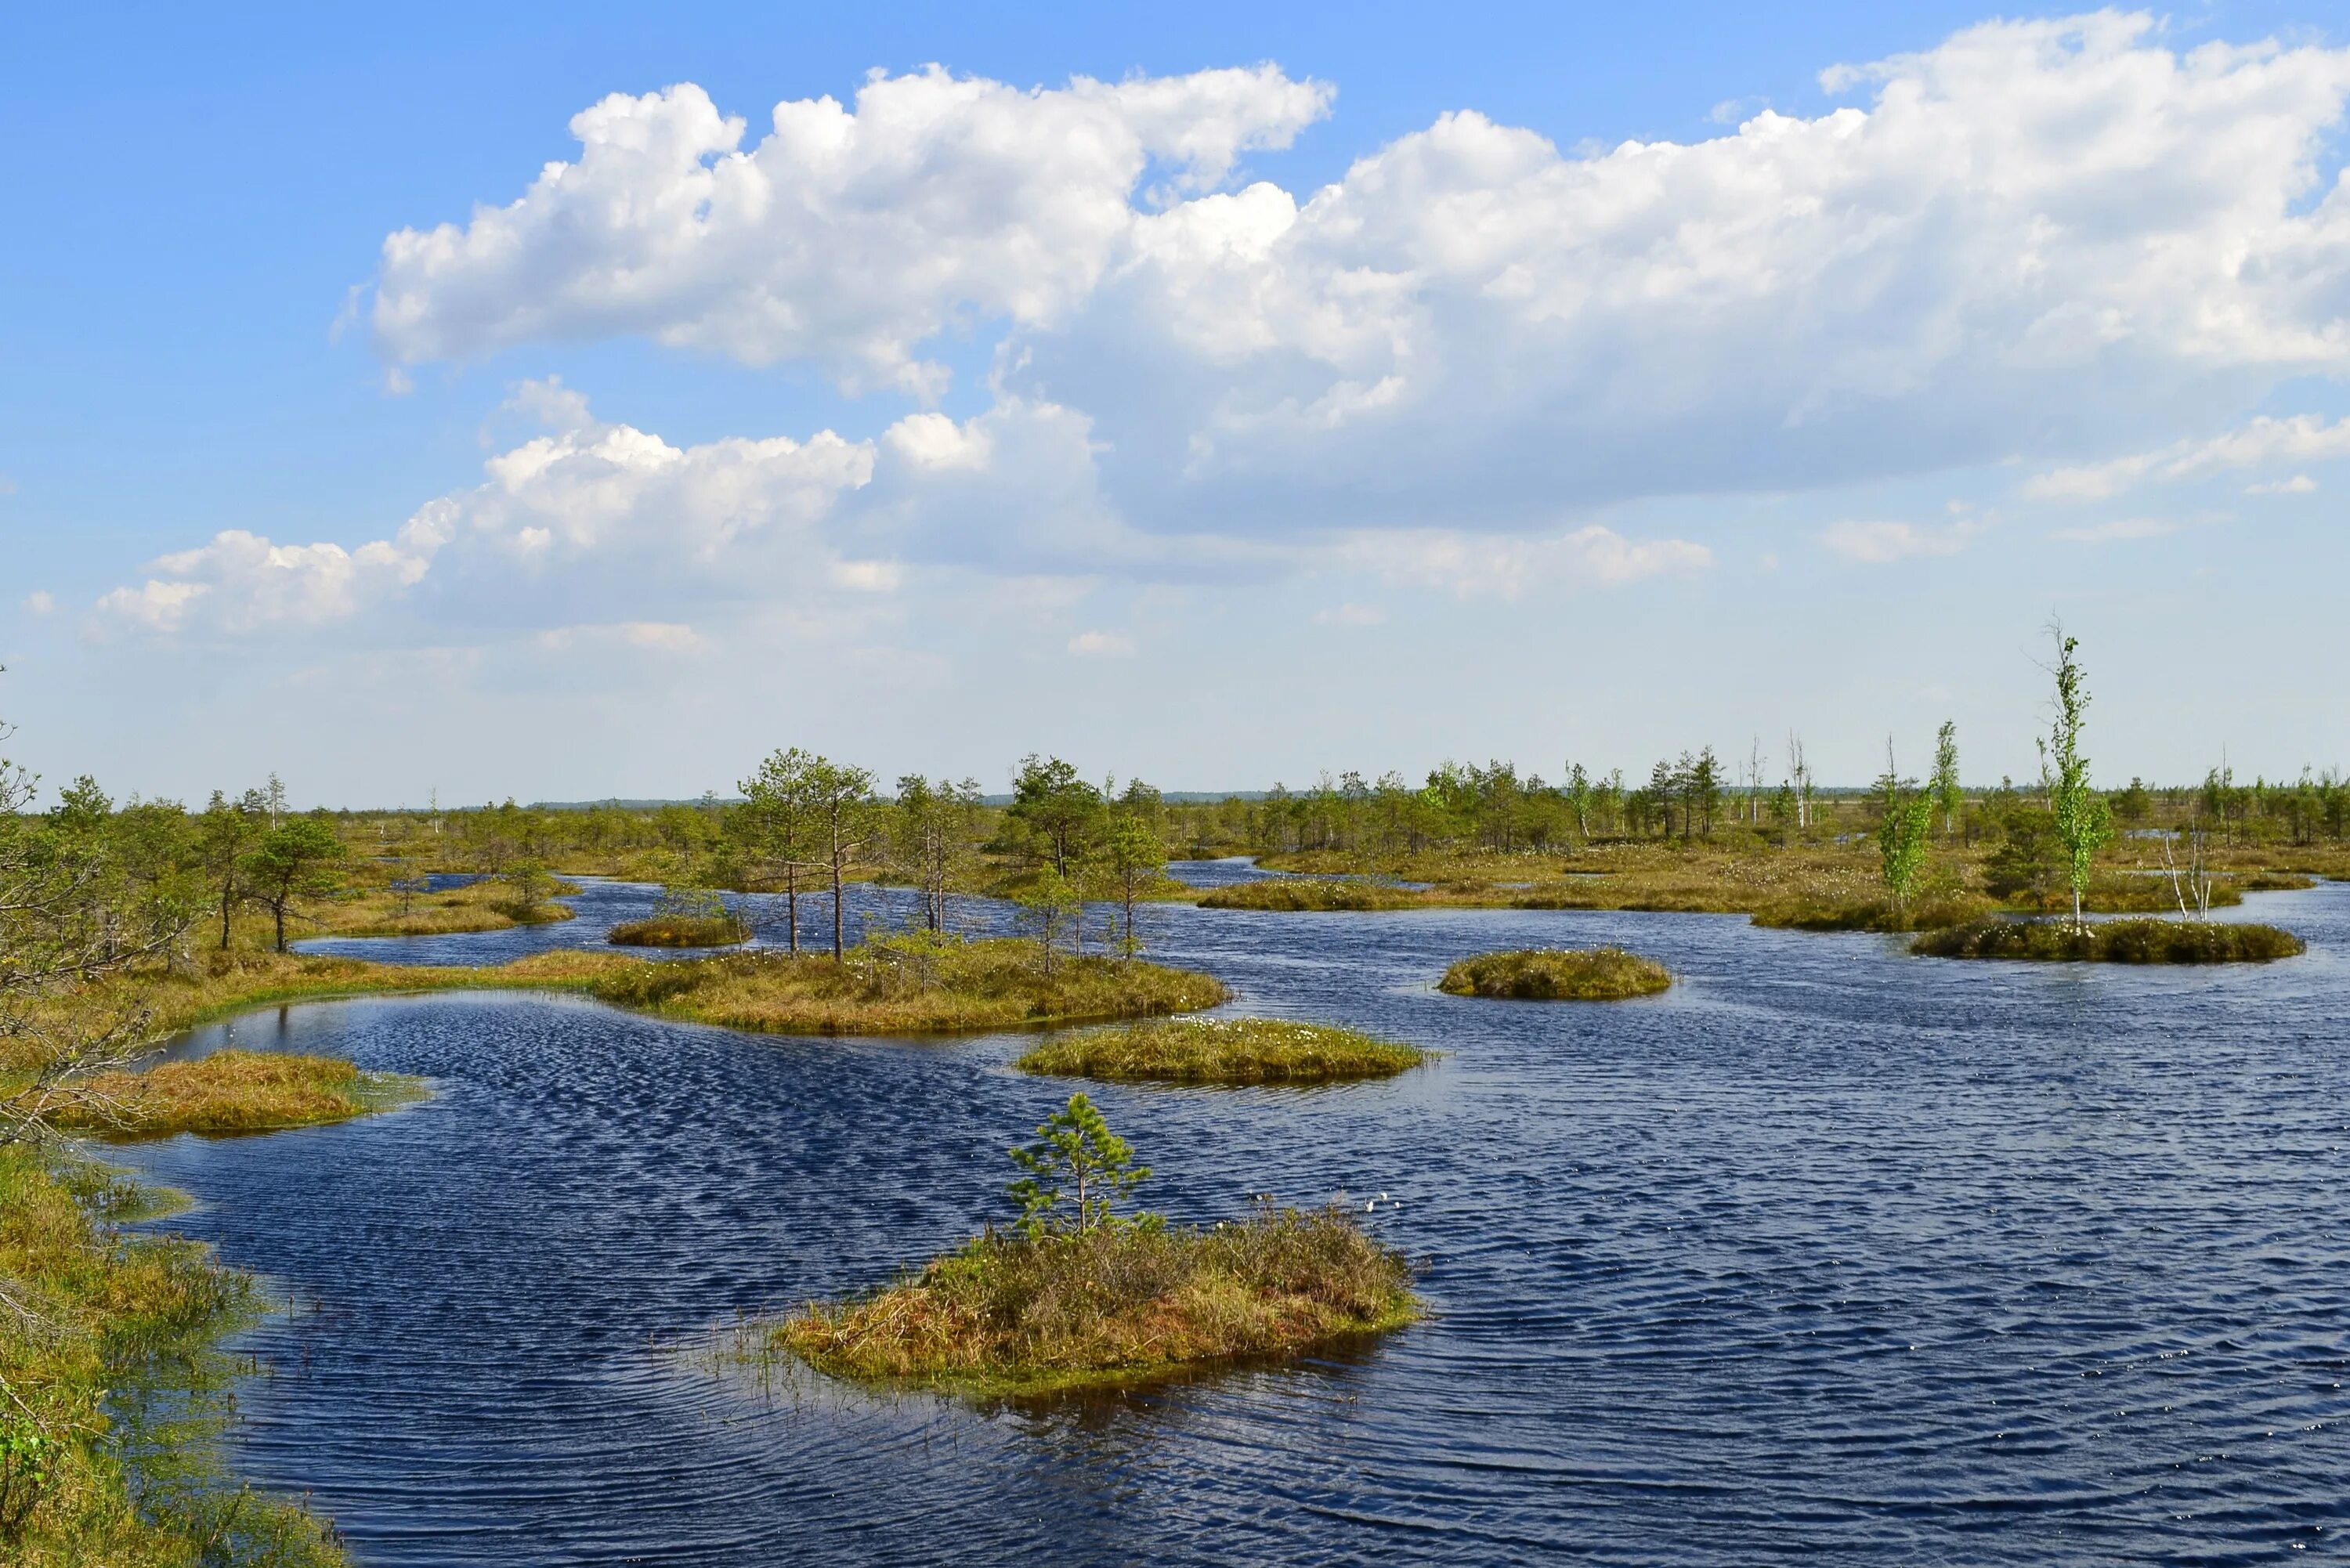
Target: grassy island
1223, 1050
1292, 893
908, 985
230, 1093
1075, 1296
680, 931
1557, 974
483, 905
2112, 942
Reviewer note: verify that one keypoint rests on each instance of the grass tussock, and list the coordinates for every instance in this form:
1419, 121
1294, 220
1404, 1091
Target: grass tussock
680, 931
232, 1093
1931, 913
1297, 894
908, 986
1223, 1050
1010, 1315
1557, 974
2112, 942
116, 1390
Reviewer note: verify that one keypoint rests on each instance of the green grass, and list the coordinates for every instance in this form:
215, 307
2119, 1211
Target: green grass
1221, 1051
115, 1378
1928, 913
680, 931
1557, 974
232, 1093
2112, 942
1008, 1315
907, 985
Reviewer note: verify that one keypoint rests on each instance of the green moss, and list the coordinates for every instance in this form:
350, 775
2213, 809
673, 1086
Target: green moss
1557, 974
1223, 1050
2112, 942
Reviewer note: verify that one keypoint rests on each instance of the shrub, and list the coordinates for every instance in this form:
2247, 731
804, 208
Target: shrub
1292, 893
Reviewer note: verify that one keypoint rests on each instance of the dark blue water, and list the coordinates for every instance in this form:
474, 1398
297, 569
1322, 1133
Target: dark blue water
1829, 1254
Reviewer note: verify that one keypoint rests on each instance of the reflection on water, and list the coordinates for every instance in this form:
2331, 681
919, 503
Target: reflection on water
1827, 1253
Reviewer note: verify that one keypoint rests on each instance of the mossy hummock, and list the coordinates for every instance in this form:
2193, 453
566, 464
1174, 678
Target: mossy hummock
1011, 1315
1223, 1050
1557, 974
680, 931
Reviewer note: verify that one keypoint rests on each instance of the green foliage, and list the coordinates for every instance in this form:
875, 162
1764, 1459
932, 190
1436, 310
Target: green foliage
1076, 1161
298, 859
1907, 820
1948, 798
1049, 910
2083, 824
1052, 813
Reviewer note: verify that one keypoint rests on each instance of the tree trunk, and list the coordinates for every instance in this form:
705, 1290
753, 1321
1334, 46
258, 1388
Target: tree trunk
279, 909
792, 907
227, 895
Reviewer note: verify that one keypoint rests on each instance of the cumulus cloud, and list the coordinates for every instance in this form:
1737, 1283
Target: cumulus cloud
847, 235
1351, 615
2037, 240
2299, 484
588, 507
1882, 543
1102, 645
2265, 443
1471, 565
40, 601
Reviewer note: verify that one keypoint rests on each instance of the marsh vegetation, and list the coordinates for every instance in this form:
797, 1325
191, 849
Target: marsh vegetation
1223, 1050
1078, 1295
2112, 942
1557, 974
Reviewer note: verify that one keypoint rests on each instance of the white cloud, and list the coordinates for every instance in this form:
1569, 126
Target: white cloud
2128, 530
589, 511
1102, 645
1351, 615
647, 636
1477, 565
40, 602
2037, 240
2299, 484
1882, 543
847, 235
2263, 442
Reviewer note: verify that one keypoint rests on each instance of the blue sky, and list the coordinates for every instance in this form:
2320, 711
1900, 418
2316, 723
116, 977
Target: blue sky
1504, 449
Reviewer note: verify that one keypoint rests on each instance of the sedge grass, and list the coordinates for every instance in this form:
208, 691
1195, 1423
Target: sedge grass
680, 931
1221, 1051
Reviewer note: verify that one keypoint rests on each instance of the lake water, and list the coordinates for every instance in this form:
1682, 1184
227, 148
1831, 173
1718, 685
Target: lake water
1829, 1254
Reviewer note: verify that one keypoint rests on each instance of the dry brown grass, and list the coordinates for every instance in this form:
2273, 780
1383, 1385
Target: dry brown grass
1013, 1315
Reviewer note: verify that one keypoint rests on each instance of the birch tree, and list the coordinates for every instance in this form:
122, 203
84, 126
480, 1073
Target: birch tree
2083, 824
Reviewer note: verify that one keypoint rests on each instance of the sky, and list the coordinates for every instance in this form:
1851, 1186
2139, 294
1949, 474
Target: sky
568, 402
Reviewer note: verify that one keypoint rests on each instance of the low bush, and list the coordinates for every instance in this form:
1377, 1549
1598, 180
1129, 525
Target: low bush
2112, 942
1221, 1051
1557, 974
